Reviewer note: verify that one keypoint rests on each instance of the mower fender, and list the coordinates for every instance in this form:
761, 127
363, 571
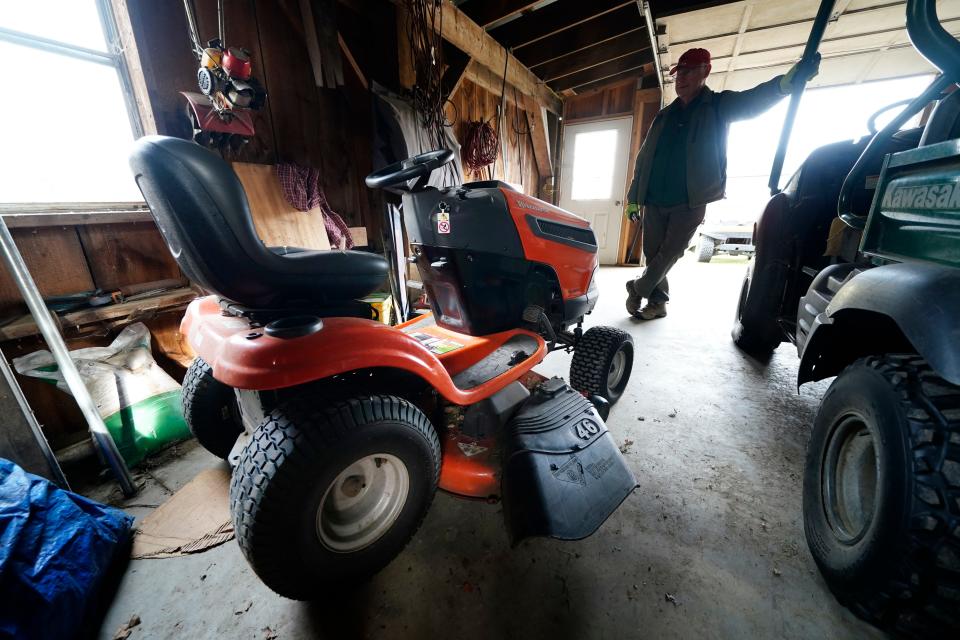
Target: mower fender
907, 307
246, 358
563, 474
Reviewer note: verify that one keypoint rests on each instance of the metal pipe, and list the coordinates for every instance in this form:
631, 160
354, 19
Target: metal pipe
800, 84
931, 40
192, 26
28, 415
652, 34
51, 333
221, 24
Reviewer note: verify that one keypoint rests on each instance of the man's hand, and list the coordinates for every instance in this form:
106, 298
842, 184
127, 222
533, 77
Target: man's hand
786, 82
633, 212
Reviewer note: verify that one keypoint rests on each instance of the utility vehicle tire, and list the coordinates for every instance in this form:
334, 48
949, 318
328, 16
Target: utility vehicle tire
881, 493
210, 410
705, 249
327, 494
602, 363
755, 328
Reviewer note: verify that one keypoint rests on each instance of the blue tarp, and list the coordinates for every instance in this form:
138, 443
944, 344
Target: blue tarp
55, 547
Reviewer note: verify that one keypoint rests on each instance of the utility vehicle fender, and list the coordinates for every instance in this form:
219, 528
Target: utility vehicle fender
887, 309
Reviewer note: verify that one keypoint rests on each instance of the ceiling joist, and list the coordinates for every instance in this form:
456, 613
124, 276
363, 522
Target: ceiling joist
489, 11
630, 42
609, 25
552, 19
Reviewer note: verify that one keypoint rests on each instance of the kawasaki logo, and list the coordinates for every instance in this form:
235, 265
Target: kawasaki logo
945, 195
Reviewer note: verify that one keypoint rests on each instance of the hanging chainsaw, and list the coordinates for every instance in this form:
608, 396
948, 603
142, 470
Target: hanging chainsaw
221, 113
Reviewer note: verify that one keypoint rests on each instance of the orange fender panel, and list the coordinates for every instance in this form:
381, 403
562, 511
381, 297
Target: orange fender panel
264, 363
472, 476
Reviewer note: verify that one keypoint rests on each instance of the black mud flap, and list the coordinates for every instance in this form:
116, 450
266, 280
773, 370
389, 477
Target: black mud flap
563, 475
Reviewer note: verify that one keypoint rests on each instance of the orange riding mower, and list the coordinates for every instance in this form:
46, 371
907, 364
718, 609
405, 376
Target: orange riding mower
340, 428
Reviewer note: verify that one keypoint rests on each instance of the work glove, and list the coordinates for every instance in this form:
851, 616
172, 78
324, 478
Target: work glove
786, 82
633, 212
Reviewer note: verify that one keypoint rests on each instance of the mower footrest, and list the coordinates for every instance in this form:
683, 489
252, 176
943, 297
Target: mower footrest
563, 475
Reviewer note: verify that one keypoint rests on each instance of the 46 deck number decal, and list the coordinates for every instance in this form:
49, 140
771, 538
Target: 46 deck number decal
586, 429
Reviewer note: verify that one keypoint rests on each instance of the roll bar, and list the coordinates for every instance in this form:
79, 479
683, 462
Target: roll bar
935, 44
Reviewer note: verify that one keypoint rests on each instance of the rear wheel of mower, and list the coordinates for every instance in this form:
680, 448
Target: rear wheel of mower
326, 495
880, 493
602, 363
705, 249
210, 410
755, 331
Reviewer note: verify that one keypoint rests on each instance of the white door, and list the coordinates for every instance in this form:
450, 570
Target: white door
594, 175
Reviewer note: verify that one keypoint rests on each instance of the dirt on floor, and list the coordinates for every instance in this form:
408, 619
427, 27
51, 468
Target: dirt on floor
709, 546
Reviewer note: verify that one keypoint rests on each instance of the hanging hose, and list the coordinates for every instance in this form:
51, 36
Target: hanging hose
481, 145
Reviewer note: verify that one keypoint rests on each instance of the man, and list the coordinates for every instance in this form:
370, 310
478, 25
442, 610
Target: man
682, 167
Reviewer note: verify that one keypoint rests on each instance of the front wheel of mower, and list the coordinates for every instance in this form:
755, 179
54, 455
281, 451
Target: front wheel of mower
326, 495
210, 410
880, 493
602, 363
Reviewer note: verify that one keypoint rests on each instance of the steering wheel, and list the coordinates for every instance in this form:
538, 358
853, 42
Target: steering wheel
399, 173
872, 122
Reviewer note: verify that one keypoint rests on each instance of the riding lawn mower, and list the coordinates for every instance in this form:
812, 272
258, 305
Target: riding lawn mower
340, 428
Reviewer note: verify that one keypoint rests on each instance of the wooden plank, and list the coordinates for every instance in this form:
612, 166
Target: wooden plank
453, 74
537, 123
603, 71
488, 80
25, 326
55, 259
631, 75
313, 44
466, 35
278, 224
632, 42
408, 75
553, 18
74, 218
353, 62
127, 253
131, 57
489, 11
606, 27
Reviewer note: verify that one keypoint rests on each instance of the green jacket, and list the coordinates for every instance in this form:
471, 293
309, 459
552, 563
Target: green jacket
706, 140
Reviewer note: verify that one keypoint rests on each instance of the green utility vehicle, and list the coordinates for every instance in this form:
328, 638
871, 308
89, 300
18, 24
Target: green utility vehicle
881, 491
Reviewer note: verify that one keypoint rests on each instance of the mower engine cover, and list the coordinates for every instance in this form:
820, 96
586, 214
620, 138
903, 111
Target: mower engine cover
563, 474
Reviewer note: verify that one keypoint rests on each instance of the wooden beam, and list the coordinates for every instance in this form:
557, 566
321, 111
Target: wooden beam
408, 75
552, 19
131, 57
466, 35
626, 44
353, 62
602, 71
620, 77
537, 123
454, 73
486, 79
487, 12
606, 27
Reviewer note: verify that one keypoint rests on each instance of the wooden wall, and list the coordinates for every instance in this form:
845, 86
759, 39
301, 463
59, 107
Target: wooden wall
325, 128
471, 103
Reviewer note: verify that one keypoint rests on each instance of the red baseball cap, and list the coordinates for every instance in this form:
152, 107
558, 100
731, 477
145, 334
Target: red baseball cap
692, 58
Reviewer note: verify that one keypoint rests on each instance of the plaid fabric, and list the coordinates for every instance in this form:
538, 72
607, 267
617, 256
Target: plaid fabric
301, 188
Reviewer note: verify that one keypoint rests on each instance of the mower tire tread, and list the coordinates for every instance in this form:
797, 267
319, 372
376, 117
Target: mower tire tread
279, 460
592, 358
207, 406
914, 592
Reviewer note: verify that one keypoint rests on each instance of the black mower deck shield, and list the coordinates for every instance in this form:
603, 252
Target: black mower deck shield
562, 473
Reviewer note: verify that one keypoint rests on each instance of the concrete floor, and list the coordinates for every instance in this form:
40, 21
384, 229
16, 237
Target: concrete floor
710, 546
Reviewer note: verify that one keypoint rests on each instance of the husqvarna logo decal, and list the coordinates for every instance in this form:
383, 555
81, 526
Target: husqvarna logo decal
443, 218
526, 204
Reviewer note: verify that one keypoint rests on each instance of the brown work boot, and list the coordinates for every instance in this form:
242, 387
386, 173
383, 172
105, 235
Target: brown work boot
633, 300
653, 310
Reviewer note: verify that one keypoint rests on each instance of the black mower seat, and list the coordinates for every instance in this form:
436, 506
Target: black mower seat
202, 212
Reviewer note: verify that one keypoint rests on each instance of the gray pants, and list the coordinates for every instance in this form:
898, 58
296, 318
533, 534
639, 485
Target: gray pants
666, 235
